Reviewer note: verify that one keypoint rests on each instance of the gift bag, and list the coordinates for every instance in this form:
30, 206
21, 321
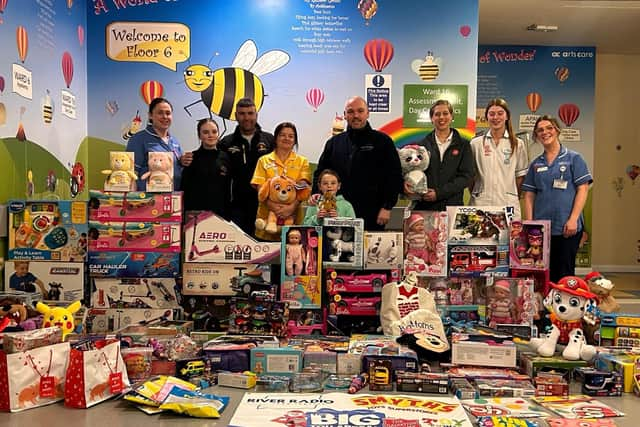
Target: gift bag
33, 377
94, 376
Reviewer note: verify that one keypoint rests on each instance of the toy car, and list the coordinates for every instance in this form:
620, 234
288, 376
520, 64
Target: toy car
357, 283
250, 282
355, 306
295, 328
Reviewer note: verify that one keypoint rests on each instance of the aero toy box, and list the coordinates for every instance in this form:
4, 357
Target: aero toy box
48, 230
134, 264
529, 245
479, 225
300, 272
135, 206
134, 293
55, 281
425, 243
201, 278
342, 242
383, 250
209, 238
134, 236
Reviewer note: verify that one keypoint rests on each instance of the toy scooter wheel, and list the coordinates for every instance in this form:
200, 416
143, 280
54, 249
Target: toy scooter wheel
333, 274
337, 298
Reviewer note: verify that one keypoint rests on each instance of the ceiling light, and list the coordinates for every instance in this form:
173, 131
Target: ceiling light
542, 28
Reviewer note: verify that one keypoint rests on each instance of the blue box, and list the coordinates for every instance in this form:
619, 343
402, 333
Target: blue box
134, 264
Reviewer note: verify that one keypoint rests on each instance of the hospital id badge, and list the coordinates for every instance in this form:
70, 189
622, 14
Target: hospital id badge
560, 184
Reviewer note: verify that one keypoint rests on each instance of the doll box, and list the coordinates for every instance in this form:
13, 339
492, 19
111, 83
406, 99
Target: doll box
100, 320
209, 238
478, 260
482, 350
134, 236
383, 250
529, 245
134, 293
342, 243
425, 243
47, 230
63, 281
134, 264
276, 361
135, 206
510, 301
199, 278
479, 225
300, 274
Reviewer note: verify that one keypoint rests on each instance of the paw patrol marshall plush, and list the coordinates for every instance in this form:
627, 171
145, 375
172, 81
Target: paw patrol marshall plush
570, 302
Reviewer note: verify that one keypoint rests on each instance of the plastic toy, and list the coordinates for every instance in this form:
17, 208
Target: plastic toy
360, 306
372, 282
342, 245
570, 302
61, 317
135, 206
121, 176
282, 190
159, 177
471, 225
383, 250
295, 255
342, 242
500, 307
529, 245
131, 236
414, 160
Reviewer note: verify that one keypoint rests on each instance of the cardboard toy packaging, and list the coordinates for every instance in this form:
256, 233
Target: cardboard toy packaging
135, 206
482, 350
134, 264
121, 175
159, 177
478, 260
300, 277
425, 243
479, 225
62, 281
529, 245
342, 243
200, 278
276, 361
383, 250
118, 236
48, 230
134, 293
100, 320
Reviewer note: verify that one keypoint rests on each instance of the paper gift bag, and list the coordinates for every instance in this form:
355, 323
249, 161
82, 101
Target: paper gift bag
94, 376
33, 378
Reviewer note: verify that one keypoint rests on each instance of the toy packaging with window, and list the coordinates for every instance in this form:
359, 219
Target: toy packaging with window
159, 177
135, 206
134, 293
199, 278
510, 301
342, 243
479, 225
62, 281
47, 230
383, 250
461, 299
425, 243
134, 264
478, 260
529, 245
99, 320
258, 315
117, 236
300, 282
306, 322
121, 175
209, 238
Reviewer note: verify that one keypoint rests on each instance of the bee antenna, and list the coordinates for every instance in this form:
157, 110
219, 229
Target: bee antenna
211, 59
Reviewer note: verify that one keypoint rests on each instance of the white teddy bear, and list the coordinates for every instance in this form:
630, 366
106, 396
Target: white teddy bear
414, 160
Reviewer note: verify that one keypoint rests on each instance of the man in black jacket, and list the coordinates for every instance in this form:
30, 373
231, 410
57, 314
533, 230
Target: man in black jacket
244, 147
368, 164
451, 165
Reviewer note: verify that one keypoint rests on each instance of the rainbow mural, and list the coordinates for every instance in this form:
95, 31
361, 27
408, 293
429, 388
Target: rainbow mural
402, 136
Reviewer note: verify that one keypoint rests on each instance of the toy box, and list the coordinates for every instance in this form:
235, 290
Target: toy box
620, 329
306, 322
209, 238
355, 305
379, 347
244, 380
479, 225
62, 281
529, 245
99, 320
463, 389
383, 250
461, 299
201, 278
300, 282
209, 313
482, 350
48, 230
478, 260
338, 282
551, 385
254, 283
422, 382
600, 383
276, 361
531, 363
159, 177
134, 236
342, 242
380, 375
510, 301
326, 360
134, 293
505, 388
121, 176
260, 340
425, 243
135, 206
623, 364
258, 315
229, 356
134, 264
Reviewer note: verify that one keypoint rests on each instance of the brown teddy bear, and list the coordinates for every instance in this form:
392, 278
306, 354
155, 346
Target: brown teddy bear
283, 190
602, 287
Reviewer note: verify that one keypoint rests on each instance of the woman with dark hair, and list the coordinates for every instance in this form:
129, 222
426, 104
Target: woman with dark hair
556, 188
282, 161
155, 137
500, 161
206, 182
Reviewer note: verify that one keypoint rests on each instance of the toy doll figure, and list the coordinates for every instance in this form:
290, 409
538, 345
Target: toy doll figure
501, 308
534, 239
418, 240
295, 255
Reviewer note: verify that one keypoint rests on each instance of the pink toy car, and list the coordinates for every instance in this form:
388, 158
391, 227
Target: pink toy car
361, 283
355, 306
295, 328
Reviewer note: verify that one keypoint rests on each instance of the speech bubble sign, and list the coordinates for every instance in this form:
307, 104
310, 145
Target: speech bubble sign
165, 43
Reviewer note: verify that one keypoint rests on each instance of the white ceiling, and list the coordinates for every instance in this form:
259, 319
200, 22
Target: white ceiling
613, 26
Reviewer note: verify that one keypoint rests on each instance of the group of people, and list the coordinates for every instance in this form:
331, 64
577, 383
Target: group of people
224, 175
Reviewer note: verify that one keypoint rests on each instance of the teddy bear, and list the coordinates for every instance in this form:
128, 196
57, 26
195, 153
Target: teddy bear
414, 160
571, 303
282, 190
602, 288
121, 175
160, 174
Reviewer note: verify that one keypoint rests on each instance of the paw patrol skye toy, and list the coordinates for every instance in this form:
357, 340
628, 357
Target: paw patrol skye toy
570, 302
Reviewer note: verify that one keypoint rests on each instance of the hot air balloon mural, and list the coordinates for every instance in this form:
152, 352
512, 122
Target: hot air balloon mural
112, 107
368, 9
465, 30
22, 42
568, 113
47, 108
3, 5
378, 53
69, 4
150, 90
20, 134
67, 68
81, 35
561, 73
315, 97
1, 84
534, 99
